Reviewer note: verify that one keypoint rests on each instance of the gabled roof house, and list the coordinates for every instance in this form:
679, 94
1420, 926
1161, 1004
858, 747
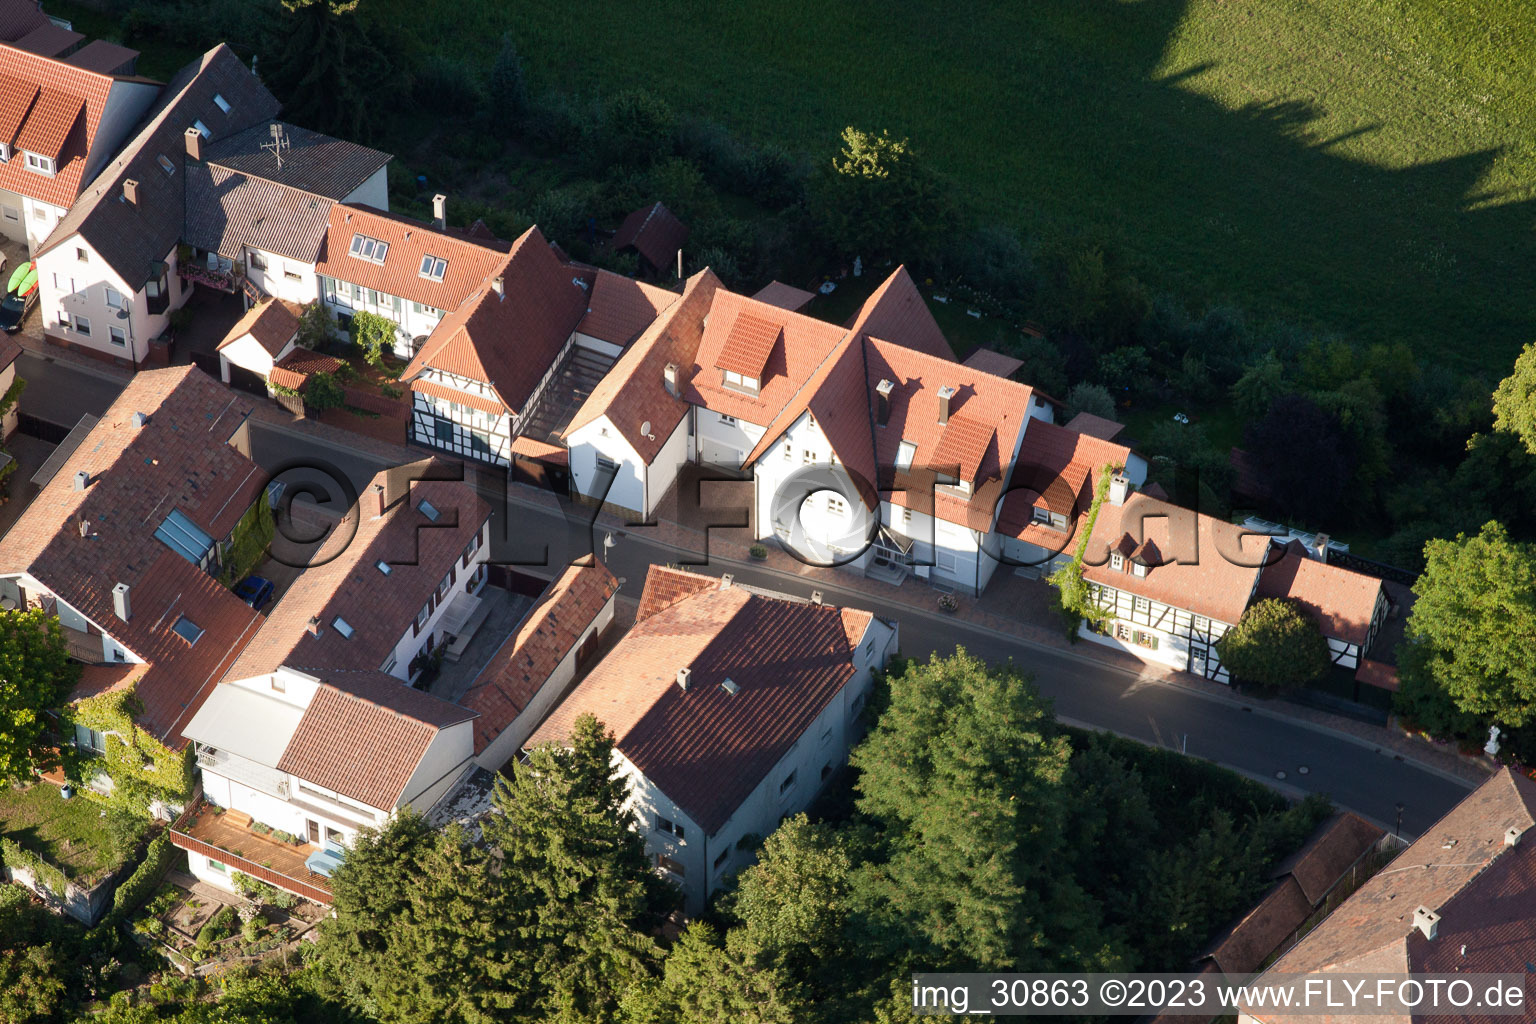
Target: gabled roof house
730, 708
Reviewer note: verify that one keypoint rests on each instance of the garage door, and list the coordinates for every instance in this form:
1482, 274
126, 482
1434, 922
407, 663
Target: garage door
717, 454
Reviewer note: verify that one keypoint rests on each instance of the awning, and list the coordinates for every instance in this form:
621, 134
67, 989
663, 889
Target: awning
325, 861
896, 540
529, 448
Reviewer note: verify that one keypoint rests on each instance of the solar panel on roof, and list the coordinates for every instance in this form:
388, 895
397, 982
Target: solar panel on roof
184, 537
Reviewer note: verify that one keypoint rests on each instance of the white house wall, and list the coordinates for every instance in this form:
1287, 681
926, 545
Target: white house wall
248, 354
466, 422
281, 277
606, 348
68, 284
510, 741
451, 751
722, 441
1185, 641
785, 473
601, 439
411, 643
661, 474
374, 192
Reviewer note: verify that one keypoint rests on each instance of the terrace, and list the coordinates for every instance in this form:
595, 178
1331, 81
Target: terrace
227, 837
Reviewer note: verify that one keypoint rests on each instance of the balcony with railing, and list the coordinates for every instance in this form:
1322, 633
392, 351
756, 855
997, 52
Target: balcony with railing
227, 837
83, 646
198, 273
244, 771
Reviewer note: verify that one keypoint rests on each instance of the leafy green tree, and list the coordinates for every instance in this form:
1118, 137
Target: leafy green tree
1304, 458
1261, 383
964, 774
879, 201
1475, 616
374, 334
1090, 398
317, 328
1514, 400
793, 903
704, 983
334, 66
1275, 646
36, 973
506, 89
421, 932
36, 675
1124, 370
635, 131
583, 889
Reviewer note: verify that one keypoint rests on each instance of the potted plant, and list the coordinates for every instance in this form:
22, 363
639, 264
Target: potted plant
758, 552
948, 602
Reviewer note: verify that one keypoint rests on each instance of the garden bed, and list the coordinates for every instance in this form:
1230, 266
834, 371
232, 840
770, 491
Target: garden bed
197, 931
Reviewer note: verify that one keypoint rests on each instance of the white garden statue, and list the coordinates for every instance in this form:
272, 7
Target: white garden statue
1491, 748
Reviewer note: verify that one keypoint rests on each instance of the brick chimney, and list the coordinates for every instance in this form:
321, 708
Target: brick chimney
380, 504
131, 191
314, 627
945, 394
1427, 921
194, 144
440, 212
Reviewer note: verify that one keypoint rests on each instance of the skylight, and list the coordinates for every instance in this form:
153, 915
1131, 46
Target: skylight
343, 627
165, 164
731, 687
202, 129
371, 249
433, 268
429, 510
187, 630
383, 567
221, 102
184, 537
904, 455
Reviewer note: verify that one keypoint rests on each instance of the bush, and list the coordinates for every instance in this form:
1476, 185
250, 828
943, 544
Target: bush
133, 892
635, 130
221, 926
444, 84
1276, 646
316, 326
323, 392
758, 551
1090, 398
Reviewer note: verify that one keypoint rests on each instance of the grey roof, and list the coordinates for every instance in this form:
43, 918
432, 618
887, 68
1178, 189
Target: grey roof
132, 236
314, 163
227, 211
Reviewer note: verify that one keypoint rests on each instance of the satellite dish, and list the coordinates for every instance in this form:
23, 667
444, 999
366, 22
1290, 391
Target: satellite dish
645, 428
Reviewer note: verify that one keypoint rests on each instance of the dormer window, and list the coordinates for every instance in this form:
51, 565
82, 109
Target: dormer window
740, 381
370, 249
1138, 569
433, 268
221, 102
5, 152
1117, 561
39, 164
1055, 520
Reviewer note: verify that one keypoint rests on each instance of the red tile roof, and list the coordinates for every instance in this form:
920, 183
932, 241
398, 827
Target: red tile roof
1058, 465
59, 120
1244, 947
706, 748
470, 262
366, 740
509, 339
634, 392
1194, 565
665, 586
178, 461
295, 368
1096, 426
532, 652
654, 232
748, 344
620, 308
50, 40
345, 581
995, 363
1462, 869
272, 322
465, 398
1335, 846
18, 17
896, 313
1343, 602
777, 293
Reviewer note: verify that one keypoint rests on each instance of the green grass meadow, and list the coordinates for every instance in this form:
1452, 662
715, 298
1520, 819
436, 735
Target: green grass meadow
1364, 166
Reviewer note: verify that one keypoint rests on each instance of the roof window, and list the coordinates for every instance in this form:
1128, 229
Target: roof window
433, 268
187, 630
165, 164
202, 129
185, 537
429, 510
371, 249
221, 102
383, 567
343, 627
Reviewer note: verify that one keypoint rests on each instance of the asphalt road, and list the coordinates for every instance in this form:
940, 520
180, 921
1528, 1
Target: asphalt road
1268, 746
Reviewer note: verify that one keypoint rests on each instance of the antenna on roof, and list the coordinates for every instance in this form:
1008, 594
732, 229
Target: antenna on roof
279, 144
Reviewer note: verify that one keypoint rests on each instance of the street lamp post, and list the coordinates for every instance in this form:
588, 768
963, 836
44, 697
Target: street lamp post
1399, 832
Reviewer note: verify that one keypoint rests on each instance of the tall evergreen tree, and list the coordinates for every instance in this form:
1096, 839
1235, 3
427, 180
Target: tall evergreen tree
705, 984
333, 66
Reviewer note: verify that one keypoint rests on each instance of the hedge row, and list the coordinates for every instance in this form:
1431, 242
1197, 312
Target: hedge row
47, 875
133, 893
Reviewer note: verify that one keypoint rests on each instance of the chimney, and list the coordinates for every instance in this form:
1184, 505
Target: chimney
682, 677
120, 606
1512, 836
381, 505
815, 597
883, 397
726, 579
1119, 488
131, 191
85, 527
440, 212
194, 144
500, 285
82, 480
314, 626
140, 420
1320, 547
1427, 921
669, 378
945, 394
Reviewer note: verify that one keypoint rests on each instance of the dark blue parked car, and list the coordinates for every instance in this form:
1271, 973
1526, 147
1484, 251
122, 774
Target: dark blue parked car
254, 591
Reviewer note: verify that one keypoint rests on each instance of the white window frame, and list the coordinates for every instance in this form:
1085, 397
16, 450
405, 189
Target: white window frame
118, 337
905, 452
1117, 561
37, 163
114, 297
433, 267
82, 325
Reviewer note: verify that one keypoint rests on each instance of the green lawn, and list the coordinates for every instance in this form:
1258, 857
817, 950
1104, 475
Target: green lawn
70, 834
1362, 165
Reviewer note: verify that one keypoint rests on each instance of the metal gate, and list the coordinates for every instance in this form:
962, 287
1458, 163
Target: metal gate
41, 429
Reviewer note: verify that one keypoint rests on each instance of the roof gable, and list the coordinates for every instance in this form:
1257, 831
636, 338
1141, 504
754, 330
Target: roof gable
60, 106
654, 232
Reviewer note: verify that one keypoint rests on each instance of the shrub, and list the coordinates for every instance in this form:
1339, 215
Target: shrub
1090, 398
758, 551
133, 892
1275, 646
557, 122
125, 829
221, 926
390, 391
261, 828
324, 392
635, 130
506, 89
316, 326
